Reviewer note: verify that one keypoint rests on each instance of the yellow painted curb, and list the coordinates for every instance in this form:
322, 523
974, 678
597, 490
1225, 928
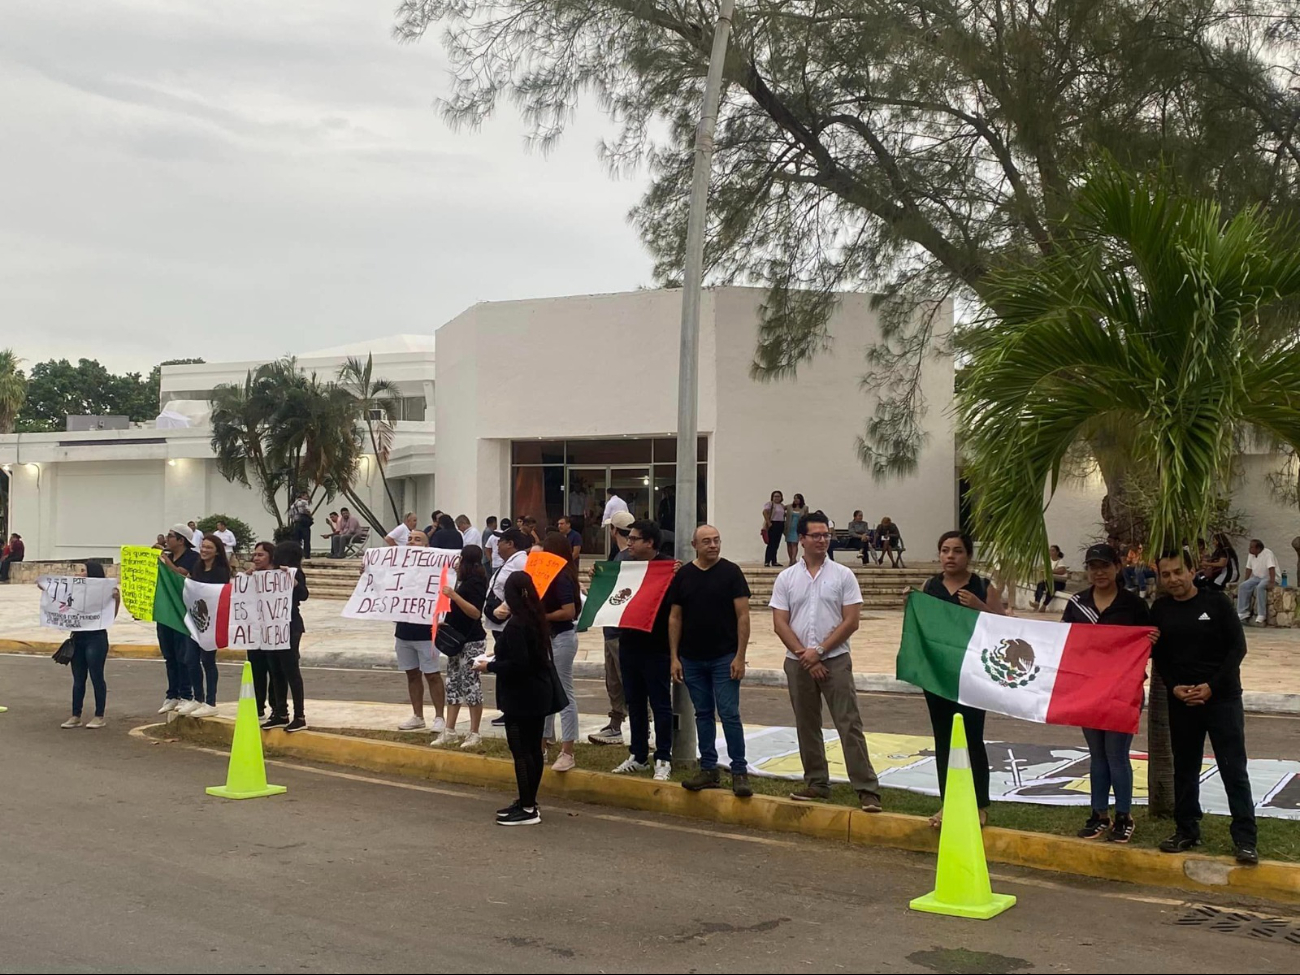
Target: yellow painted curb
123, 651
1271, 880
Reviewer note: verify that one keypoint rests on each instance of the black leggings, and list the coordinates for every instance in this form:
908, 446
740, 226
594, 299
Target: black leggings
286, 677
524, 735
775, 536
942, 711
261, 677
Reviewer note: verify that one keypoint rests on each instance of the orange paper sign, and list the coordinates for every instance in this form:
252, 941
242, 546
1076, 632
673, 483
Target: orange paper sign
543, 567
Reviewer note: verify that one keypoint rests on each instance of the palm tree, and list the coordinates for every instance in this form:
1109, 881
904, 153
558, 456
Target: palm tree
13, 390
241, 420
374, 398
313, 435
1163, 328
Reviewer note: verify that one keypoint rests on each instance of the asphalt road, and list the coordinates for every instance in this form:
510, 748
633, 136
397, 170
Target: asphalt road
113, 859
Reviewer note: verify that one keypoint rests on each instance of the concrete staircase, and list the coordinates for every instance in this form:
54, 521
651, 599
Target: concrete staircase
882, 588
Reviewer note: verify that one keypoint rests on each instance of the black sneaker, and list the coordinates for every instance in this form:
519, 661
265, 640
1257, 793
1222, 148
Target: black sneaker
740, 786
1095, 827
704, 779
299, 723
276, 721
521, 817
513, 807
1247, 855
1122, 831
499, 721
1179, 843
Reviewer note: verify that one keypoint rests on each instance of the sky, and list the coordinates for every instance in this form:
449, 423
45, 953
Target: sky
246, 178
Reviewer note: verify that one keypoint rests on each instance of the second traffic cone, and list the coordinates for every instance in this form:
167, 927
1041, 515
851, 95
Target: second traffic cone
961, 887
246, 778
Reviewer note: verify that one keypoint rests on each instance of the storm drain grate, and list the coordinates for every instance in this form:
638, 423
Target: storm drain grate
1260, 927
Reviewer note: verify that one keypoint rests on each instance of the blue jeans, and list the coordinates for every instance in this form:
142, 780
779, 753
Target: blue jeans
1111, 769
1137, 576
89, 653
172, 645
201, 663
1246, 595
710, 684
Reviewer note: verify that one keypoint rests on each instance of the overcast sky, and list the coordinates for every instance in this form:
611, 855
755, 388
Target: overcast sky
248, 178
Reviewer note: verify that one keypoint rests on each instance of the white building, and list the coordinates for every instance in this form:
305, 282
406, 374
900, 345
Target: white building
86, 494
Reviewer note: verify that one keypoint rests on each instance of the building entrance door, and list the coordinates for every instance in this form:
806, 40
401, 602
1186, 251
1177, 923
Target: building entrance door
587, 494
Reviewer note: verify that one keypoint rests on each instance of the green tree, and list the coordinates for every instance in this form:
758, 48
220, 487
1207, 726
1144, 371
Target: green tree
57, 389
1164, 325
376, 402
13, 390
904, 146
242, 419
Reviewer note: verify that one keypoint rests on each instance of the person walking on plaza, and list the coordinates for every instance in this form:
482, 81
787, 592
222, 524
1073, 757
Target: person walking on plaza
89, 654
793, 515
527, 690
464, 686
15, 551
401, 535
1261, 571
178, 553
1060, 574
958, 584
560, 604
286, 664
1107, 603
349, 530
708, 636
422, 663
816, 606
211, 567
1199, 656
612, 733
646, 666
773, 527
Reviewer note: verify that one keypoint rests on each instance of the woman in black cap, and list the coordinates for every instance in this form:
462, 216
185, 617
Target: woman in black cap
1109, 603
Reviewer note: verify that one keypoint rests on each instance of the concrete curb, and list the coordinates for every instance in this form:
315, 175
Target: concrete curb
1256, 702
1271, 880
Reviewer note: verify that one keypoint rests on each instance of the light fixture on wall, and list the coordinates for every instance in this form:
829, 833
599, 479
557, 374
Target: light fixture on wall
172, 462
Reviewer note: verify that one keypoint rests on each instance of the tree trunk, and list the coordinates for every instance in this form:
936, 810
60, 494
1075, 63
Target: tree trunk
1160, 765
383, 474
365, 511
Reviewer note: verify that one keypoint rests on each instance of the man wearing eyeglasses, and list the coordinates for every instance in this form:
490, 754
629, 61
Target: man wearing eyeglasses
612, 733
816, 606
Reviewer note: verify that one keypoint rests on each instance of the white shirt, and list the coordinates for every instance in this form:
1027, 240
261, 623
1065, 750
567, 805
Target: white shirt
612, 507
514, 564
400, 535
472, 536
196, 539
227, 539
490, 545
816, 605
1261, 563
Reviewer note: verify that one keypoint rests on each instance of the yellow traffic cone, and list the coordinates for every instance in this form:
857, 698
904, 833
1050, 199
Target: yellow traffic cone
3, 710
246, 778
961, 887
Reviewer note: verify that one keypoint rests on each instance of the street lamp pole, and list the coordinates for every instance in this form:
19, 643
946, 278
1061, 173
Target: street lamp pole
688, 394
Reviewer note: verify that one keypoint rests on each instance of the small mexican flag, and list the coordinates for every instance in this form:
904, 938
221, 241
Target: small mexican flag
1082, 675
626, 594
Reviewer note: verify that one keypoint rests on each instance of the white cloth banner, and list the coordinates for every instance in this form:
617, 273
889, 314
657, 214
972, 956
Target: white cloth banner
77, 602
401, 583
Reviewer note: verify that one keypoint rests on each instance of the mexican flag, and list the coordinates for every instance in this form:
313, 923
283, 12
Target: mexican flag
626, 594
1082, 675
207, 613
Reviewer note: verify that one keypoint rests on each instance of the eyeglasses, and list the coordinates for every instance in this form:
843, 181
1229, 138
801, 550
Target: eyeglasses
818, 537
635, 538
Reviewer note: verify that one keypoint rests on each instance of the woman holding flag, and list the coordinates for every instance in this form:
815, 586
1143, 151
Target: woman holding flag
957, 584
1108, 603
211, 567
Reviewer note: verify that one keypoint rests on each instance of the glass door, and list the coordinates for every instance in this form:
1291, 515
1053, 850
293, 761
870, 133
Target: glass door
586, 506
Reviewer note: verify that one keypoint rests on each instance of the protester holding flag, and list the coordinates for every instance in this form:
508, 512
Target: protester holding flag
420, 659
176, 554
1107, 603
560, 603
465, 619
527, 689
957, 584
212, 568
285, 663
263, 559
89, 654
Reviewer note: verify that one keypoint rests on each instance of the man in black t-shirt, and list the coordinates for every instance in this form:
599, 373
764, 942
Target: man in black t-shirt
708, 634
1198, 656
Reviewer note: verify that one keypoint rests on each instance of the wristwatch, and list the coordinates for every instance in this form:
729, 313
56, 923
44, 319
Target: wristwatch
821, 651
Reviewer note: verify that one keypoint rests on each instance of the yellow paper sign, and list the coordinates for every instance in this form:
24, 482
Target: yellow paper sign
543, 567
138, 580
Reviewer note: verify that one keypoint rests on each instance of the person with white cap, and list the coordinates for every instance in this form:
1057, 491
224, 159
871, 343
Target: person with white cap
177, 551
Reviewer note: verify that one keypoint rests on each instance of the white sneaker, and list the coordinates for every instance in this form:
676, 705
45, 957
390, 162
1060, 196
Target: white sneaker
188, 707
169, 704
629, 766
663, 771
1243, 616
203, 711
439, 725
472, 740
447, 738
96, 722
72, 722
1261, 621
413, 723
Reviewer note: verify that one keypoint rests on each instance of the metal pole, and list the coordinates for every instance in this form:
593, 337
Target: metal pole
684, 741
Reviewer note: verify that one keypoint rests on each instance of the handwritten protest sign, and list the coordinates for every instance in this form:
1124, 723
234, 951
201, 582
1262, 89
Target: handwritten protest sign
138, 580
543, 567
251, 612
77, 602
401, 583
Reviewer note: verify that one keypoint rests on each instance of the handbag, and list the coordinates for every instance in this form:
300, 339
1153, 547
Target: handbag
764, 535
449, 640
559, 700
63, 655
